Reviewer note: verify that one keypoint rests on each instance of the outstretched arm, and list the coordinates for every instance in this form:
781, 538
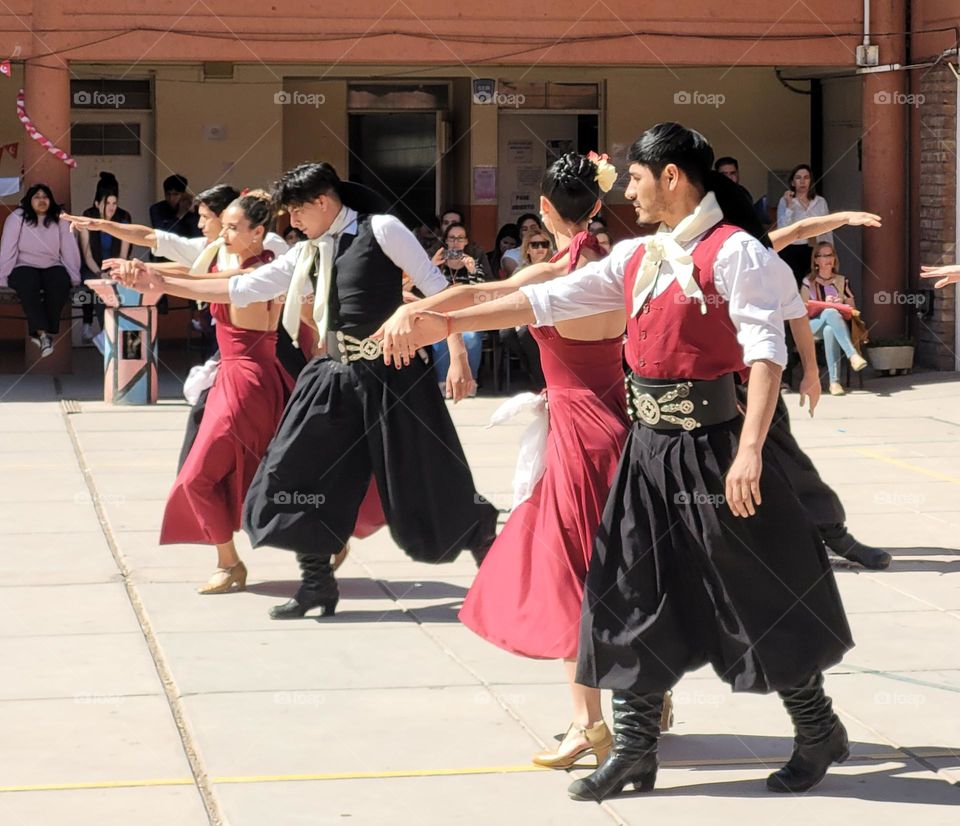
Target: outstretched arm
140, 276
134, 233
398, 329
818, 225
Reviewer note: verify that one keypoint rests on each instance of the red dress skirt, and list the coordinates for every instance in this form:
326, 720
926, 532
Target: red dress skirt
243, 409
528, 593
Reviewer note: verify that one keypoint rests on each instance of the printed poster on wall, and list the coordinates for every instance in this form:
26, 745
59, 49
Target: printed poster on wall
485, 183
520, 151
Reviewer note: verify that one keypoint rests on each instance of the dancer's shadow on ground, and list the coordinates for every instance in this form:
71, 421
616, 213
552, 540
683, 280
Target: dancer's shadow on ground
879, 778
410, 594
909, 559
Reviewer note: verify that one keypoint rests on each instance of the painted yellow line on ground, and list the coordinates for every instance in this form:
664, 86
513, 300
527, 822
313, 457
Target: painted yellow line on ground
99, 784
934, 474
886, 756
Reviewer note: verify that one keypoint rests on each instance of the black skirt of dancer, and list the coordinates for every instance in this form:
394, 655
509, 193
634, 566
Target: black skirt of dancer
346, 422
677, 581
819, 500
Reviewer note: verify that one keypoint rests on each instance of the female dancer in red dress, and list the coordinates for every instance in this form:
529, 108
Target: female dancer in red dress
242, 411
528, 592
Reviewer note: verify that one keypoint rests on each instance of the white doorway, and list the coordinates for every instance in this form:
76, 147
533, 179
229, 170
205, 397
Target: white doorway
130, 135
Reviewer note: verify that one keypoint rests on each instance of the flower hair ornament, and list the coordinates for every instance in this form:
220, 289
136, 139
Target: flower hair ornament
606, 172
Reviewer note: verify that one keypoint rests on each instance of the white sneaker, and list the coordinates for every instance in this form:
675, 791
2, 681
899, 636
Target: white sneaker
46, 345
87, 334
98, 342
36, 340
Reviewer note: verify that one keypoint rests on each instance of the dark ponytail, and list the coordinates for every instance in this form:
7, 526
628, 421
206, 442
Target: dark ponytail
736, 205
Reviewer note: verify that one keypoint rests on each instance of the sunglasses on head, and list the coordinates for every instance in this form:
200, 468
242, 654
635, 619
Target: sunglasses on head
539, 245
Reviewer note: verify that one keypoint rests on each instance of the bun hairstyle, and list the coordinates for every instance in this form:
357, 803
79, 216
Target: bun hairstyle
571, 185
107, 185
258, 208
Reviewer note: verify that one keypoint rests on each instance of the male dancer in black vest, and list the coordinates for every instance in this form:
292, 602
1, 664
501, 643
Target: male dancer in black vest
350, 417
699, 557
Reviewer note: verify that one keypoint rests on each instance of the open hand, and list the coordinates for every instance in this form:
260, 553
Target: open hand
863, 219
810, 389
743, 482
949, 274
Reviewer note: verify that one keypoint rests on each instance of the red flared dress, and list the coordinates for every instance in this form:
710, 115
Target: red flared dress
242, 412
528, 593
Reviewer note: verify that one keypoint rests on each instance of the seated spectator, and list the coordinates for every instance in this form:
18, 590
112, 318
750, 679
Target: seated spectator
475, 251
537, 247
175, 212
507, 239
510, 261
824, 283
428, 234
459, 268
597, 224
40, 260
98, 245
603, 239
293, 236
799, 202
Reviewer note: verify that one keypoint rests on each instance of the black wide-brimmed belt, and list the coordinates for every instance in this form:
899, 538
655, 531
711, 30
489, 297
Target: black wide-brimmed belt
353, 345
666, 404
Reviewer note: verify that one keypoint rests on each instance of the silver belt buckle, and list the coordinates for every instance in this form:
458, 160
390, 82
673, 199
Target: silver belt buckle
651, 410
354, 349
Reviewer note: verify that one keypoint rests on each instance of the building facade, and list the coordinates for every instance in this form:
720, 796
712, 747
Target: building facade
443, 105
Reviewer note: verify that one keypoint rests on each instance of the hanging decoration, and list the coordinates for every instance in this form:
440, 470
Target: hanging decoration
46, 143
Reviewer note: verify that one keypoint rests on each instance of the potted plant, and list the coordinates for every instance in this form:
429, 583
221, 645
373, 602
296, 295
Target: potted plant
891, 354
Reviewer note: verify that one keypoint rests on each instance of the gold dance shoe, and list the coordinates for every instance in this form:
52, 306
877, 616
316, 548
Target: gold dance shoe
666, 716
836, 389
224, 579
577, 743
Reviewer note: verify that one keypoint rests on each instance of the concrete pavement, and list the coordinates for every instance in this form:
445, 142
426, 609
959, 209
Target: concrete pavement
127, 698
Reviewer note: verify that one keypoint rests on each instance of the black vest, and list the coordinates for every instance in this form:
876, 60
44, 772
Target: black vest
367, 286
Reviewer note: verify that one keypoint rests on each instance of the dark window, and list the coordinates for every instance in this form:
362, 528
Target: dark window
105, 139
103, 93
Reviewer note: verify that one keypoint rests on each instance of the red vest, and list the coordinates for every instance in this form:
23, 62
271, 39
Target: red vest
670, 338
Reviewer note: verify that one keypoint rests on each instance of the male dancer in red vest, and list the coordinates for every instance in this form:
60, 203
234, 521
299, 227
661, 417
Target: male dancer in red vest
704, 554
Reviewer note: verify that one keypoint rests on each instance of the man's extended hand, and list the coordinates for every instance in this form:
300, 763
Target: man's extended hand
408, 331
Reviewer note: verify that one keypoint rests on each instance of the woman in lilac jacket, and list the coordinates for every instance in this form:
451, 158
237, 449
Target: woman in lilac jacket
40, 259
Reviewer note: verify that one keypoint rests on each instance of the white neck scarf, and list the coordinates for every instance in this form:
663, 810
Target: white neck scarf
668, 246
216, 250
322, 251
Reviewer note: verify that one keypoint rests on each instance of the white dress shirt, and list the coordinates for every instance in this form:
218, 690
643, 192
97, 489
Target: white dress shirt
787, 215
759, 288
397, 242
185, 250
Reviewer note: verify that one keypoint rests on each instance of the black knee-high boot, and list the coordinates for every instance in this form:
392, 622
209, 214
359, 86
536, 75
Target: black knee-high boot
636, 731
820, 738
318, 589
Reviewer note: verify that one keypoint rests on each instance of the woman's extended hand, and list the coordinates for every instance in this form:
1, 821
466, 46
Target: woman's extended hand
949, 274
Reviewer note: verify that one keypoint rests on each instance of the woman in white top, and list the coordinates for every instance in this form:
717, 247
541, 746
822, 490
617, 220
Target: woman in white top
799, 202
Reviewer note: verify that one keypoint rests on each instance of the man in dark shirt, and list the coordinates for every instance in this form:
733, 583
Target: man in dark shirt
175, 212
